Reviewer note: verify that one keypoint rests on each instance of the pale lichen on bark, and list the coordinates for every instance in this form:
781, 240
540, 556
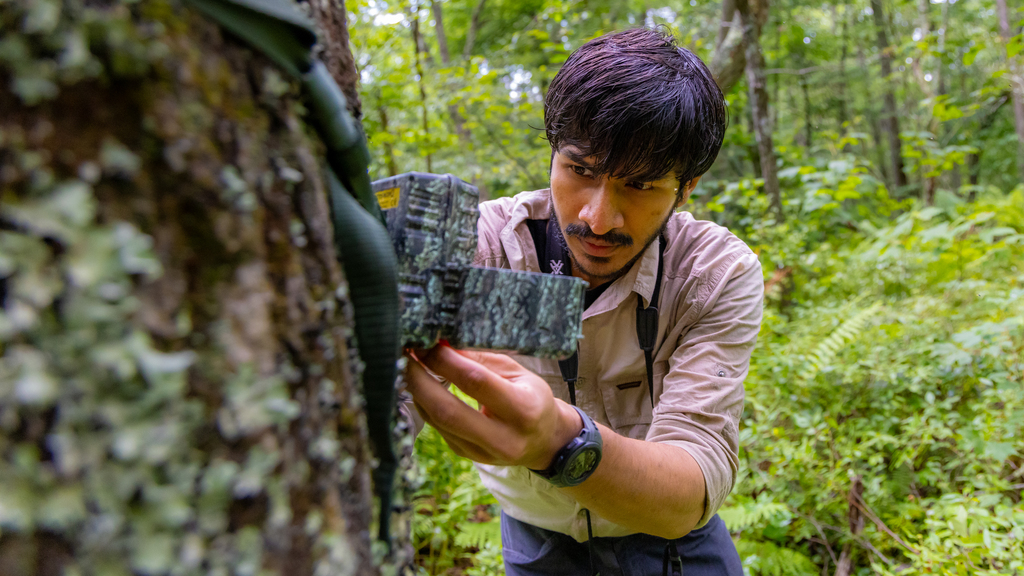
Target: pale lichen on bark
177, 390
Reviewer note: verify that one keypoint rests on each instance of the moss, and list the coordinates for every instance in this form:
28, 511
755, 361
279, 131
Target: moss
176, 381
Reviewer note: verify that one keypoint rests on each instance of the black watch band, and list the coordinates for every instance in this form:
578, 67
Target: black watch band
578, 459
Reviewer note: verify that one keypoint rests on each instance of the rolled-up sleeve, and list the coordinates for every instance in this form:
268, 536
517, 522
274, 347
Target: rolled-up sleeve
702, 394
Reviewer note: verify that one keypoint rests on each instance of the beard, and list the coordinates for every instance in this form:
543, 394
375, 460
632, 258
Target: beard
583, 232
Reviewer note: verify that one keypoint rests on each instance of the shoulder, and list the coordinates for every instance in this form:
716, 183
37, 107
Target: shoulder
499, 217
706, 256
525, 205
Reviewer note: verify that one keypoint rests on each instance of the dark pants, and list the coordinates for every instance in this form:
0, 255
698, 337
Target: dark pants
533, 551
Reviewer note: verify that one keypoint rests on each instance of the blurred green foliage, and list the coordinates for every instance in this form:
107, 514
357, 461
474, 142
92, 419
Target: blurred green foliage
885, 410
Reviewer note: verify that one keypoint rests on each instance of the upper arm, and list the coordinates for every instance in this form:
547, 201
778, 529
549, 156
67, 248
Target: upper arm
493, 218
702, 398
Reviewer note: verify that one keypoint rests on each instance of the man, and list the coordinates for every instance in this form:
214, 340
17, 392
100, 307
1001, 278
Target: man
616, 487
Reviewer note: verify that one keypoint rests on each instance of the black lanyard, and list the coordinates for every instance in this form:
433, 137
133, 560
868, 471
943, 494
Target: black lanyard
553, 257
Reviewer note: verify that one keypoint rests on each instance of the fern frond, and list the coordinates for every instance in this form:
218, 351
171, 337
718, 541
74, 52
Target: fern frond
750, 514
479, 534
827, 350
766, 559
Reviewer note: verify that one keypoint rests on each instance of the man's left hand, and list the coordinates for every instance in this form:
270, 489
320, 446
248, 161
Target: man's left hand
519, 423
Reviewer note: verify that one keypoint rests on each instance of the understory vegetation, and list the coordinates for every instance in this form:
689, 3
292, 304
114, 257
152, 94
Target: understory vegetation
884, 407
882, 431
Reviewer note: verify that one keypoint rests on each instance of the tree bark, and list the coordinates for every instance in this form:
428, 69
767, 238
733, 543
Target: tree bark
418, 47
759, 105
889, 122
808, 112
177, 382
389, 150
1017, 83
729, 60
876, 126
442, 38
442, 43
841, 86
337, 54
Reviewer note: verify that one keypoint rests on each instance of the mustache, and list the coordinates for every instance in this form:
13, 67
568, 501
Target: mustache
583, 232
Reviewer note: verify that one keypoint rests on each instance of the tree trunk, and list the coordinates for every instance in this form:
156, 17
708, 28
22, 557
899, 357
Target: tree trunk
808, 112
1017, 83
389, 149
876, 125
889, 122
941, 68
729, 60
418, 47
759, 106
442, 43
177, 383
474, 28
442, 38
841, 86
752, 150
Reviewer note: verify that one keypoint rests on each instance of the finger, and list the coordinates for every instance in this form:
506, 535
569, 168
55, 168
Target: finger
466, 449
496, 392
447, 413
460, 446
500, 364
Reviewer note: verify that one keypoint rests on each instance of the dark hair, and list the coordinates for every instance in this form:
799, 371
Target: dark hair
641, 105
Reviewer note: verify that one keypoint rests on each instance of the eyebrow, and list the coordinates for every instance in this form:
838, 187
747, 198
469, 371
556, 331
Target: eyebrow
576, 157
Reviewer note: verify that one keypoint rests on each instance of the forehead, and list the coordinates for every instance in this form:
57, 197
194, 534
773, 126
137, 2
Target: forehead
582, 157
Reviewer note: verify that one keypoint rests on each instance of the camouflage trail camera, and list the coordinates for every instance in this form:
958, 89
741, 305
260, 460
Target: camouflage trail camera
432, 222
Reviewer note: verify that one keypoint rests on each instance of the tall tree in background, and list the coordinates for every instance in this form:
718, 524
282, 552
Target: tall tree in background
176, 383
889, 122
728, 59
421, 53
1017, 86
759, 105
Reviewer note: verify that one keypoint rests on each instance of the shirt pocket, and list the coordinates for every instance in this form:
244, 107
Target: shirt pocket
558, 386
627, 402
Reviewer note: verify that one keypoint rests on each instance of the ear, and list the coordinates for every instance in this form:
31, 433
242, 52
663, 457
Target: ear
687, 189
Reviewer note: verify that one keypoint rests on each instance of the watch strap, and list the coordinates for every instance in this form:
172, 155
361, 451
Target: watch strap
588, 440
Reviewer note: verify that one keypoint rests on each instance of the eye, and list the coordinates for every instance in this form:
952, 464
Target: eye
580, 170
641, 185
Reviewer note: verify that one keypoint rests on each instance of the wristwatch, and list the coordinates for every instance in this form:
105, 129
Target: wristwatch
578, 459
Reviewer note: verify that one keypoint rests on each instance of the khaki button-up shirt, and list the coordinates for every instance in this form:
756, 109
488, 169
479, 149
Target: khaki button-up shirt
708, 318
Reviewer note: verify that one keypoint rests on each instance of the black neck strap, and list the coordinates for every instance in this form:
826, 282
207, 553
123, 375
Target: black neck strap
647, 320
553, 258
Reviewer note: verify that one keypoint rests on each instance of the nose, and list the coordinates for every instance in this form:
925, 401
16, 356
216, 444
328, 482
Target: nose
600, 212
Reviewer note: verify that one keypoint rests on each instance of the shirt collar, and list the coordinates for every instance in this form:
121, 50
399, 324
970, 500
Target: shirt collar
522, 256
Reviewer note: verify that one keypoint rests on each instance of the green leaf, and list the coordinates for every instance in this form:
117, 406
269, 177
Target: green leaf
1014, 46
999, 451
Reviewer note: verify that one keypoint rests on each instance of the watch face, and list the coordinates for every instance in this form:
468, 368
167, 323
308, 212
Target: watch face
581, 464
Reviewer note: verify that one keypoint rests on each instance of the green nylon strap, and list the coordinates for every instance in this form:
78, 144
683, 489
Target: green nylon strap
347, 153
277, 29
280, 30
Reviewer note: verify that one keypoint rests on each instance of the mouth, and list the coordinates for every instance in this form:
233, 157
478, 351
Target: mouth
596, 249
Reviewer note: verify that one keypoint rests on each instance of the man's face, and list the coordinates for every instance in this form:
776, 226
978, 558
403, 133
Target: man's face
608, 222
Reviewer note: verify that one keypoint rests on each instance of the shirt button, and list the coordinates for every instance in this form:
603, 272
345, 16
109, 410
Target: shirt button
721, 373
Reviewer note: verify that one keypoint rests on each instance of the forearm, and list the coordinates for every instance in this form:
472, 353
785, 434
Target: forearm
650, 487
